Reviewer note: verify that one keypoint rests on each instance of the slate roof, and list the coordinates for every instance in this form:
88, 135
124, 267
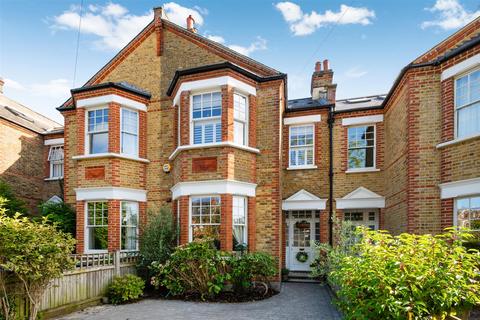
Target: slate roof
367, 102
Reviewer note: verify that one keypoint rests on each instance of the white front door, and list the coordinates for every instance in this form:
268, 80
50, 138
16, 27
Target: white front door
301, 232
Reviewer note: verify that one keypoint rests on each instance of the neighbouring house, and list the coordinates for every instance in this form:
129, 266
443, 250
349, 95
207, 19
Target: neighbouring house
31, 153
179, 120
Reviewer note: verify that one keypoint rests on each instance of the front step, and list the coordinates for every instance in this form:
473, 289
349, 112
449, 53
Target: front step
301, 276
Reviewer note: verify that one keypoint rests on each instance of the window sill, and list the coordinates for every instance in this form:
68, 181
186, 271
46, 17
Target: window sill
53, 179
110, 155
302, 168
363, 170
457, 140
212, 145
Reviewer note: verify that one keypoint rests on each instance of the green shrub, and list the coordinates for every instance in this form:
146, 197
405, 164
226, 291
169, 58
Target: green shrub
125, 288
157, 237
60, 214
12, 204
251, 266
407, 276
195, 268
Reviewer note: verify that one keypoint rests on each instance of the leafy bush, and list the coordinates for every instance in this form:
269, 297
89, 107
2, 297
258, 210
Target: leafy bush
157, 237
35, 252
61, 215
251, 266
126, 288
11, 203
197, 267
407, 276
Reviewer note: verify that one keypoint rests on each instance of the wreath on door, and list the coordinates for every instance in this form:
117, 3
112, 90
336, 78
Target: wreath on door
302, 256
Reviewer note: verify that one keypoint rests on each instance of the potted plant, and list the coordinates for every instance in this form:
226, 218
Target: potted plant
285, 272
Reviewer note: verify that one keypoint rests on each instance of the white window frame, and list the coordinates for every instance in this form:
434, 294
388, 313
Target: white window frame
56, 162
203, 121
455, 207
136, 155
374, 167
245, 225
305, 166
190, 225
86, 228
136, 227
365, 222
244, 122
456, 109
87, 132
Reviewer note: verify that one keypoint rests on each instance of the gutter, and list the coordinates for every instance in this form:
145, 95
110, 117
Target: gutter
331, 120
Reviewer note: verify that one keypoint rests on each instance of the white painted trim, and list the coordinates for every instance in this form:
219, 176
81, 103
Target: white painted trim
109, 155
213, 83
53, 178
213, 187
360, 203
138, 132
85, 233
305, 166
212, 145
458, 140
362, 120
366, 169
362, 170
304, 200
110, 193
52, 142
461, 67
109, 98
302, 120
459, 188
137, 229
302, 167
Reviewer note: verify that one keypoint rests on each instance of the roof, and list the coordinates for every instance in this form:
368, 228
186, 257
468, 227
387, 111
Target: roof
343, 105
23, 116
220, 66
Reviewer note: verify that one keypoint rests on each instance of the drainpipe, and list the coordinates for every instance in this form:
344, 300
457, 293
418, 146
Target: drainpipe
331, 120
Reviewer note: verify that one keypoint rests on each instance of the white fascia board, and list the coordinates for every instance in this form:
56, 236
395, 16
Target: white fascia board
459, 188
212, 145
461, 67
303, 119
360, 203
213, 83
110, 193
304, 205
53, 142
213, 187
109, 98
362, 120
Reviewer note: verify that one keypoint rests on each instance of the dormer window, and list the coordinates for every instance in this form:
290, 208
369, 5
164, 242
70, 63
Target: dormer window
206, 118
97, 131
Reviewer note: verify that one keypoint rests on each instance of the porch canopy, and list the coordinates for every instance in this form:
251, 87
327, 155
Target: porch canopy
361, 198
304, 200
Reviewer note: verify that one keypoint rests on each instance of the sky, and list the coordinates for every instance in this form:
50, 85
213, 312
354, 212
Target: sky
366, 42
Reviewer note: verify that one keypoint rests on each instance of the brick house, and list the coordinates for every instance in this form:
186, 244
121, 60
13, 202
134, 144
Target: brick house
176, 119
31, 153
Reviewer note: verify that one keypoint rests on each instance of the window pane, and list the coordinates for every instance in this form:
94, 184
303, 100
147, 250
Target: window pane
461, 93
475, 86
468, 122
130, 144
99, 142
129, 238
239, 133
98, 120
356, 158
97, 238
197, 134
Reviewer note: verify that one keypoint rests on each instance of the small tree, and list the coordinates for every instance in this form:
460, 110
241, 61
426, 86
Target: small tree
157, 237
60, 214
11, 203
35, 253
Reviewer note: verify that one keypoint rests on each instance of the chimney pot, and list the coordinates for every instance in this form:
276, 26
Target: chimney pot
190, 23
318, 66
157, 13
325, 65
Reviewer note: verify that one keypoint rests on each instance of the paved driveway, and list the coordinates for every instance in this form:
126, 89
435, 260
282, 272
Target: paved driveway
296, 301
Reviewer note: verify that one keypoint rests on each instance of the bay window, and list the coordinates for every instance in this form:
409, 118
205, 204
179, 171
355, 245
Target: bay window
240, 119
361, 147
97, 131
129, 132
206, 117
55, 157
239, 217
468, 212
129, 226
205, 217
301, 146
467, 104
97, 226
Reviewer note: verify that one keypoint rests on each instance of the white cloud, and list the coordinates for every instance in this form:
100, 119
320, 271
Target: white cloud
259, 44
218, 39
451, 15
57, 88
114, 25
302, 24
12, 84
355, 72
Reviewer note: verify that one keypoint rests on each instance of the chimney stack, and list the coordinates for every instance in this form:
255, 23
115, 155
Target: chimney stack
322, 86
191, 24
1, 85
157, 13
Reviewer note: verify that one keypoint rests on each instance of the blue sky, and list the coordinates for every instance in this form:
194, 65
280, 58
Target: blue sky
367, 42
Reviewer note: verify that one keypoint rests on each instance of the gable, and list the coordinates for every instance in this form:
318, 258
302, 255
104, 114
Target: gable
360, 198
362, 193
304, 200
